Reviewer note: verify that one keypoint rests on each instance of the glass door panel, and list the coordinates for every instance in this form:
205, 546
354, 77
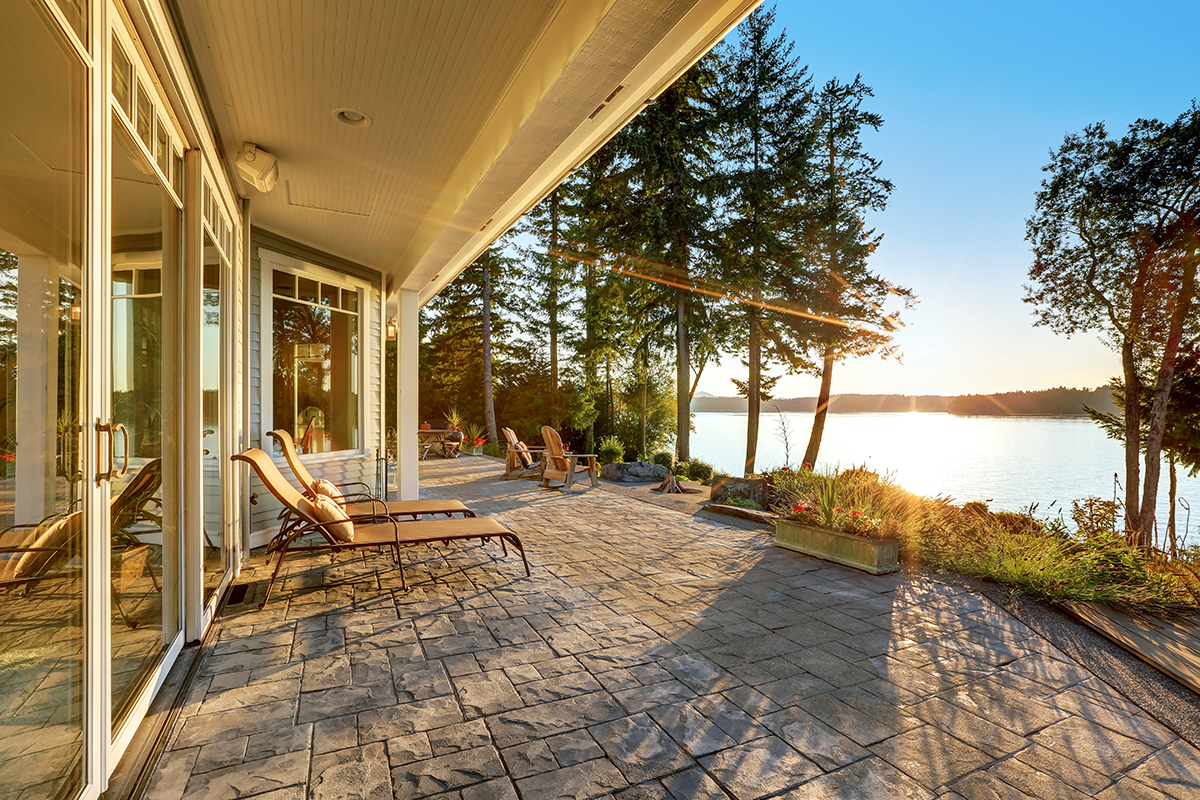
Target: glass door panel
144, 542
43, 129
217, 549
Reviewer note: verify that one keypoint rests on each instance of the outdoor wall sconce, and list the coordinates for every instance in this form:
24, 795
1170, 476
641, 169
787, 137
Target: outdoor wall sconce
391, 330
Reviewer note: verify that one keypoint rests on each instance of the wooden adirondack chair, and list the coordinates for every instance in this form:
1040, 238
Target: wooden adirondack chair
521, 461
559, 465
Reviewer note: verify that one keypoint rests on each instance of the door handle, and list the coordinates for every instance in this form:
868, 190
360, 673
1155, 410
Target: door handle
101, 429
125, 462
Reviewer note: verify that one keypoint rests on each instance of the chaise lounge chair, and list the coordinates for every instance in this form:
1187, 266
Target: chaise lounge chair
559, 465
341, 532
359, 503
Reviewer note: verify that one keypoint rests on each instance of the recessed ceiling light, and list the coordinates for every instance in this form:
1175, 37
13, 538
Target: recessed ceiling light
352, 117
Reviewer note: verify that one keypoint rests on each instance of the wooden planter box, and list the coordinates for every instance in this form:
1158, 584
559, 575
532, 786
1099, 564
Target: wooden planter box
876, 556
473, 450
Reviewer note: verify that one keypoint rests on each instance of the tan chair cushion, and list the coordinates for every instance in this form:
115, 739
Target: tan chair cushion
523, 455
337, 523
327, 488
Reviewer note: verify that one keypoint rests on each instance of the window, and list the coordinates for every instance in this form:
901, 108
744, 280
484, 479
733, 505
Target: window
315, 354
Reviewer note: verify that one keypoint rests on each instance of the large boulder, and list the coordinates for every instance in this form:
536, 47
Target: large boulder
634, 472
755, 489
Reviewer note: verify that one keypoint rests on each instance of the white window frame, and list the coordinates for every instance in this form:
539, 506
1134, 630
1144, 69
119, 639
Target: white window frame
270, 261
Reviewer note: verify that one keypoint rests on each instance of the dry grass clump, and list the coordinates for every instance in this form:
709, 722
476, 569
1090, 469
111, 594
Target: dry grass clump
1041, 558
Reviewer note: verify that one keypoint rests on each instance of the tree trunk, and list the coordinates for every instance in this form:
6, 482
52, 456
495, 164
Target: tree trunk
1133, 405
1171, 514
555, 418
589, 359
818, 429
1162, 393
683, 405
608, 389
753, 383
645, 399
489, 405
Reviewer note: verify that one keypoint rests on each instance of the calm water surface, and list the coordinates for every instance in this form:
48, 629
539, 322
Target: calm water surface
1009, 461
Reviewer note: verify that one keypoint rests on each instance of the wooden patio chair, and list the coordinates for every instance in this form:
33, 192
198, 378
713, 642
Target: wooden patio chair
560, 465
358, 503
521, 461
342, 532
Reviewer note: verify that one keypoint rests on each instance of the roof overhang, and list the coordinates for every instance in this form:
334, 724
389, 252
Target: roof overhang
478, 110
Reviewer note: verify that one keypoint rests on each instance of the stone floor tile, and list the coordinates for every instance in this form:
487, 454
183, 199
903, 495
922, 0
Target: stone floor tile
495, 789
171, 774
1065, 768
224, 725
991, 739
221, 754
524, 724
345, 700
870, 778
326, 672
486, 693
1137, 725
420, 681
1004, 706
1129, 789
986, 786
334, 733
403, 750
736, 723
461, 736
1174, 771
815, 740
698, 734
656, 694
930, 756
1093, 745
359, 773
693, 784
576, 782
454, 771
1033, 781
254, 777
400, 720
557, 687
531, 758
759, 768
639, 748
850, 722
574, 747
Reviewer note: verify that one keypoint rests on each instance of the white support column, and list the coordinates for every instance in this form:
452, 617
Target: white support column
408, 345
37, 386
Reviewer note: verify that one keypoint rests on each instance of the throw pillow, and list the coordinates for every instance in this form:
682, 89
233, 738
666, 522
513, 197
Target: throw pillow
336, 522
328, 489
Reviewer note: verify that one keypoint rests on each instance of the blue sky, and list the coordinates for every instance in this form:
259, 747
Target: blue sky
974, 97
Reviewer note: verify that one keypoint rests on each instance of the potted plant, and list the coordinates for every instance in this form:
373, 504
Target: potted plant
818, 526
475, 440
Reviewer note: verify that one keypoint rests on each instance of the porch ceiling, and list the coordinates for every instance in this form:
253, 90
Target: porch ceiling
478, 108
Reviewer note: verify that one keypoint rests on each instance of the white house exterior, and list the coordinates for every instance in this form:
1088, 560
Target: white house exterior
158, 313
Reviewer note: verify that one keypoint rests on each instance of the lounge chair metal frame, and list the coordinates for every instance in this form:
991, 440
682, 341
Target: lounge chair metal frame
371, 530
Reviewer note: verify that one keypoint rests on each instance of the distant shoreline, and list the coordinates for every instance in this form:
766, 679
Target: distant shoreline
1060, 402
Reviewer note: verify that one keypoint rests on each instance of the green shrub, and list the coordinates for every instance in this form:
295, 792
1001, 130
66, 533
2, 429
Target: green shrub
493, 449
611, 449
741, 502
699, 470
664, 459
680, 469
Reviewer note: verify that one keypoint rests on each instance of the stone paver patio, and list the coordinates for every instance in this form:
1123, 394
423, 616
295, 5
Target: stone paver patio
651, 655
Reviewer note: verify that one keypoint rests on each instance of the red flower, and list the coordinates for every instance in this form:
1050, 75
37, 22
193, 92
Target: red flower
806, 464
837, 511
783, 469
856, 513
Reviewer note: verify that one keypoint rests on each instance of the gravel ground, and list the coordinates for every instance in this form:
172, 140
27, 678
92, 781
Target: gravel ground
1159, 695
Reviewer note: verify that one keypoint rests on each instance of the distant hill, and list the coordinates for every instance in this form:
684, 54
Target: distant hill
1048, 402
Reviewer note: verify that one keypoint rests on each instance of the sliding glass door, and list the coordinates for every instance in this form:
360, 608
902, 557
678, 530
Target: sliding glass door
43, 480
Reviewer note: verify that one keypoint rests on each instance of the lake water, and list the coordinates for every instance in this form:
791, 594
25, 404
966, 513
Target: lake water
1009, 461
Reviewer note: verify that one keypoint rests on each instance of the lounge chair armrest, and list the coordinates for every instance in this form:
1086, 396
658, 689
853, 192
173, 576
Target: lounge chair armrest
366, 487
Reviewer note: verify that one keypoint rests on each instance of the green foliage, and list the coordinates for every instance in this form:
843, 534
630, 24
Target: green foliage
1038, 557
742, 502
611, 450
1094, 516
664, 459
493, 449
680, 470
699, 470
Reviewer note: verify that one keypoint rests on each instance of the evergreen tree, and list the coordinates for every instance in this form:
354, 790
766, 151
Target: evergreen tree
668, 156
765, 146
847, 300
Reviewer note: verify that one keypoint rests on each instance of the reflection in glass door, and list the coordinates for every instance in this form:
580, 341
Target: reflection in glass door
43, 130
144, 541
217, 547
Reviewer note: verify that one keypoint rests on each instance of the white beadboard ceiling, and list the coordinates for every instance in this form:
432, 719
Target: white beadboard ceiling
479, 108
